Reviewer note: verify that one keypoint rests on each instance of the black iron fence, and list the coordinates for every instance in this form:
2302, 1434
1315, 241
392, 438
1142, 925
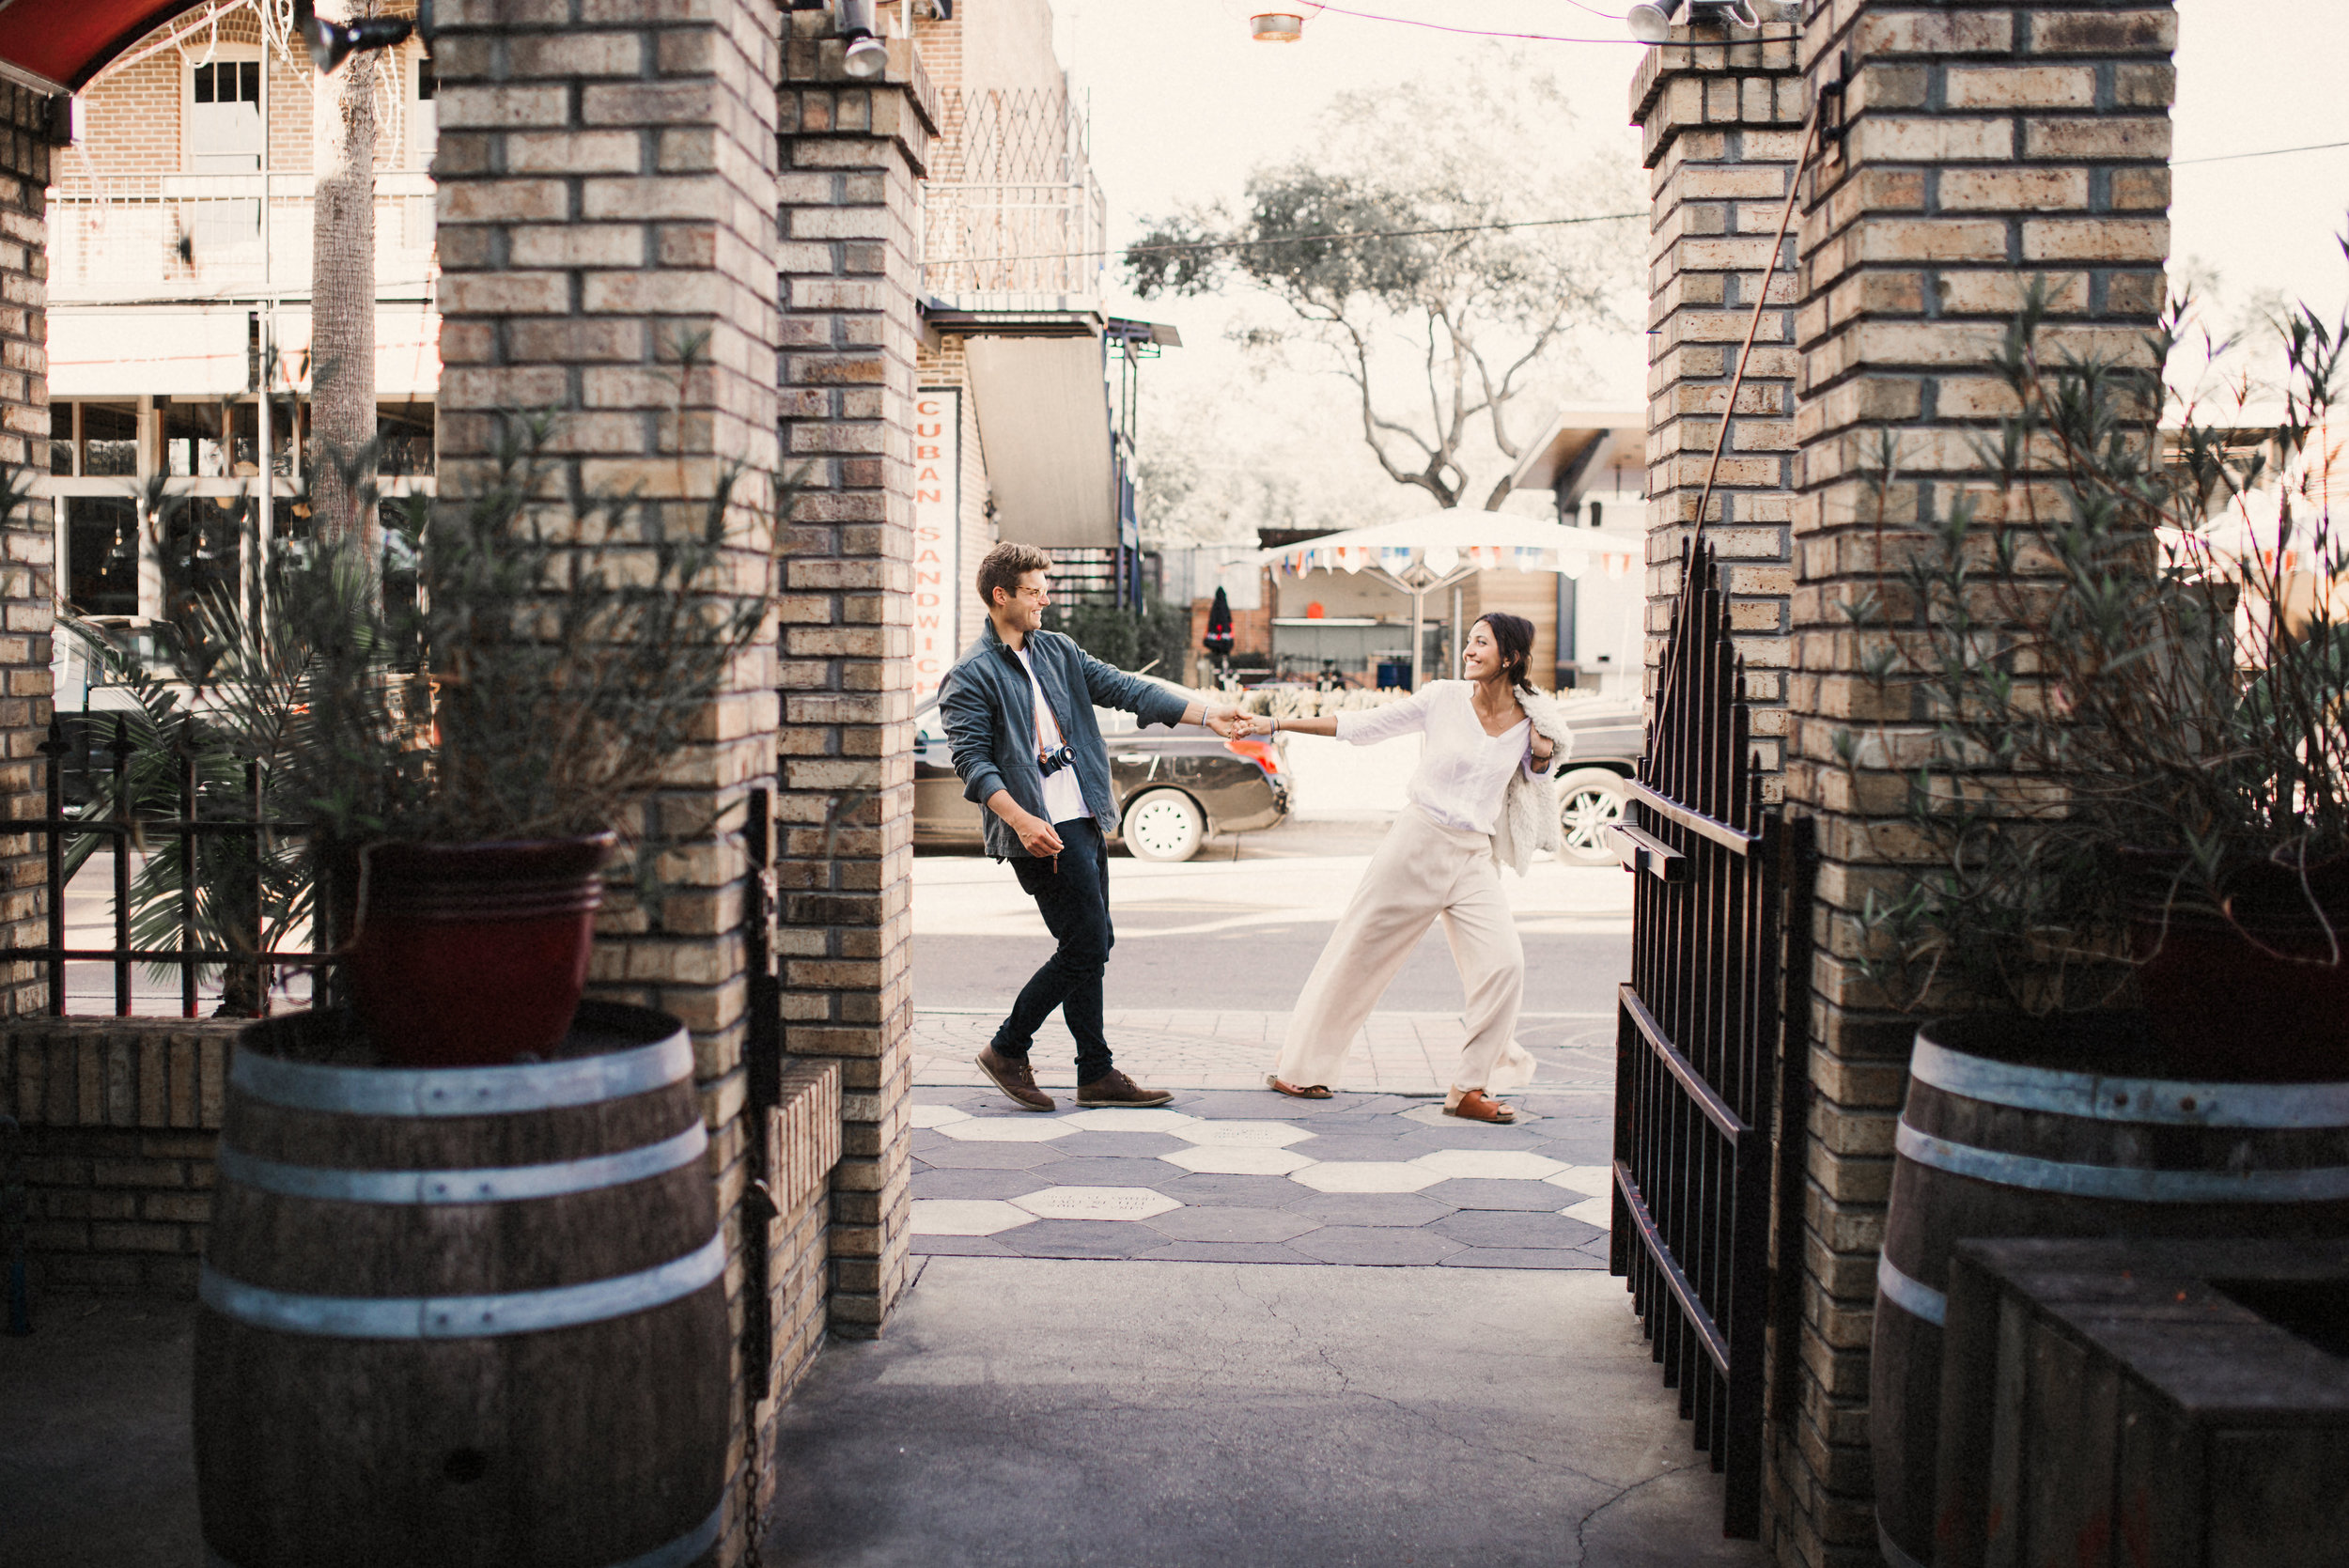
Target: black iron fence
1703, 1089
91, 804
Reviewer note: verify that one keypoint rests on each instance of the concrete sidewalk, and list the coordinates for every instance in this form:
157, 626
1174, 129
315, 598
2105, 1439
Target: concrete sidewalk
1042, 1414
97, 1467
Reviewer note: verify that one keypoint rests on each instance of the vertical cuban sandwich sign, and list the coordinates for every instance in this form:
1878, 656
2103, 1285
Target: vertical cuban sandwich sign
937, 534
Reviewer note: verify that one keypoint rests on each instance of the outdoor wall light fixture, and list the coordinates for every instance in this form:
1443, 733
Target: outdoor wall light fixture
868, 56
1276, 27
333, 43
1653, 23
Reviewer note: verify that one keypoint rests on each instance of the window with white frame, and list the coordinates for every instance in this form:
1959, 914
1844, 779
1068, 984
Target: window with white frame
223, 122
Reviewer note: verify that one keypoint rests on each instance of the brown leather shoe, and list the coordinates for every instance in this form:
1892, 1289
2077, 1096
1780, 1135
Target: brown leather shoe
1476, 1106
1115, 1088
1016, 1079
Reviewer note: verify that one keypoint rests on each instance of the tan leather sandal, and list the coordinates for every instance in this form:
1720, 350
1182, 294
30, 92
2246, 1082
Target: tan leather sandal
1474, 1105
1296, 1092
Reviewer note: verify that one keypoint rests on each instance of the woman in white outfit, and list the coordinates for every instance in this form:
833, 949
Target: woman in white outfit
1482, 796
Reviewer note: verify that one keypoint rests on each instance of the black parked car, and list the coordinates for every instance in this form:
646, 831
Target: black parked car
1174, 786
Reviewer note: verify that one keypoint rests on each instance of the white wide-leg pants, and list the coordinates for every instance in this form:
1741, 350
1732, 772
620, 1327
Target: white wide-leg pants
1423, 872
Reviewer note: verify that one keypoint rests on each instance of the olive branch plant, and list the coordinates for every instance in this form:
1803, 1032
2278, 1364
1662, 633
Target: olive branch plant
2094, 712
557, 653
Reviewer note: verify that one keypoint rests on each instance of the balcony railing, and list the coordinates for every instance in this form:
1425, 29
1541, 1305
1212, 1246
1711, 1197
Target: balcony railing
1012, 212
199, 237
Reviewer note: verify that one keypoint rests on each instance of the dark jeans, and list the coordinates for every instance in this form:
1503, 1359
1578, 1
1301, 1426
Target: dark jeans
1075, 902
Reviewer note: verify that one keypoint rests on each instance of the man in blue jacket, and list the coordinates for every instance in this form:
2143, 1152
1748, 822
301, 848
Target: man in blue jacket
1018, 712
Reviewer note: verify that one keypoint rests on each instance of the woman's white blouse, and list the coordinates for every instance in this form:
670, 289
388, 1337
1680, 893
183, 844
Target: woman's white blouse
1463, 772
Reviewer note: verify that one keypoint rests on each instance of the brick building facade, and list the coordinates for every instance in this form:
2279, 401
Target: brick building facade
608, 173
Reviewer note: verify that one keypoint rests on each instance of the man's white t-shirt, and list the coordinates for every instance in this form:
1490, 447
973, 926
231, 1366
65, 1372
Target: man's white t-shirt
1063, 797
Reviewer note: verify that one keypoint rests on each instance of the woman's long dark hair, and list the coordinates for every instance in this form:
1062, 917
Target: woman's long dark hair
1514, 636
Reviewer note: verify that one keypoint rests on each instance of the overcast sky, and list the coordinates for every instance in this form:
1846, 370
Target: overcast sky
1184, 106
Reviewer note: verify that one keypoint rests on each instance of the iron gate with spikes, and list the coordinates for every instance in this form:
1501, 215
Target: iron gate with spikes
1704, 1086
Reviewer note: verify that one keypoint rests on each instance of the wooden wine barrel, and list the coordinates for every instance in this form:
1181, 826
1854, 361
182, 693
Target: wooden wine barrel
466, 1317
1990, 1144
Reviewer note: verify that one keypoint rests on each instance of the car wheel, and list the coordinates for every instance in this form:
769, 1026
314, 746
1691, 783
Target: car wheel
1164, 825
1590, 802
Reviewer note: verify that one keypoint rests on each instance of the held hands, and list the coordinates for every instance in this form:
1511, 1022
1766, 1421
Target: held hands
1229, 723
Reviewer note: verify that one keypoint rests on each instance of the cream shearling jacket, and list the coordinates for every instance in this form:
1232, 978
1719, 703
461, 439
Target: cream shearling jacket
1528, 811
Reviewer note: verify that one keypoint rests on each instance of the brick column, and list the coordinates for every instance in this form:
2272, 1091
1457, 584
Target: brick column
606, 199
29, 545
1721, 111
853, 154
1978, 146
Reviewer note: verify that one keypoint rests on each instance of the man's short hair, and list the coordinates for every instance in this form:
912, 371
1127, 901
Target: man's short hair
1005, 566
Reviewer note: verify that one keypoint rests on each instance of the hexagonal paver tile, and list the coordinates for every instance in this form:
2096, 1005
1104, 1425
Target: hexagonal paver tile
1110, 1171
1353, 1146
1097, 1202
938, 1115
1366, 1176
1490, 1164
1116, 1119
1223, 1251
1084, 1238
1244, 1104
965, 1217
1138, 1145
1489, 1228
1469, 1193
1232, 1224
1239, 1162
1510, 1257
1591, 1181
1030, 1128
1350, 1244
1592, 1211
1243, 1135
1216, 1189
992, 1156
1405, 1209
976, 1184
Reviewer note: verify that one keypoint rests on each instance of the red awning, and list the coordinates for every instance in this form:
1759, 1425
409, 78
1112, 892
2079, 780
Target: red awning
69, 41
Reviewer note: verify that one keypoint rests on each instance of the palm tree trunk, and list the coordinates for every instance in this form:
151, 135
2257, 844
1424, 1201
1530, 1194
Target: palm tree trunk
342, 331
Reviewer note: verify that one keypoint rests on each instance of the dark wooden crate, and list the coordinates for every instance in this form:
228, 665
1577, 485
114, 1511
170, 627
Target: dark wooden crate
2145, 1405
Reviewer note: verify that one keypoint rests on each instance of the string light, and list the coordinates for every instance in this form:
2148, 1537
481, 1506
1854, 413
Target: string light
2270, 152
1472, 32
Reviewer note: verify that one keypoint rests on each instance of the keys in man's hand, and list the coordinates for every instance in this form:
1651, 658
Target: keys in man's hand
1039, 839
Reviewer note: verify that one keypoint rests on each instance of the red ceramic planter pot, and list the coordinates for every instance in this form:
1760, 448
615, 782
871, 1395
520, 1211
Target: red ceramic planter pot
2262, 995
474, 954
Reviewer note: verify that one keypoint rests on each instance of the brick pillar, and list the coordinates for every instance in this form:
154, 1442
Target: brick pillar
1978, 146
29, 545
1721, 111
606, 193
853, 154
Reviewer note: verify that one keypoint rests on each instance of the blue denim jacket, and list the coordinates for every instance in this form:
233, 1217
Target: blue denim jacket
990, 723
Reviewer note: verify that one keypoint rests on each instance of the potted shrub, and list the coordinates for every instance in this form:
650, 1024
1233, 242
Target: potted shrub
2133, 789
2127, 842
465, 807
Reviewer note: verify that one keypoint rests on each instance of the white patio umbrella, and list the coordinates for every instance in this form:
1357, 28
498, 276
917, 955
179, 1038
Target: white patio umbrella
1416, 556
